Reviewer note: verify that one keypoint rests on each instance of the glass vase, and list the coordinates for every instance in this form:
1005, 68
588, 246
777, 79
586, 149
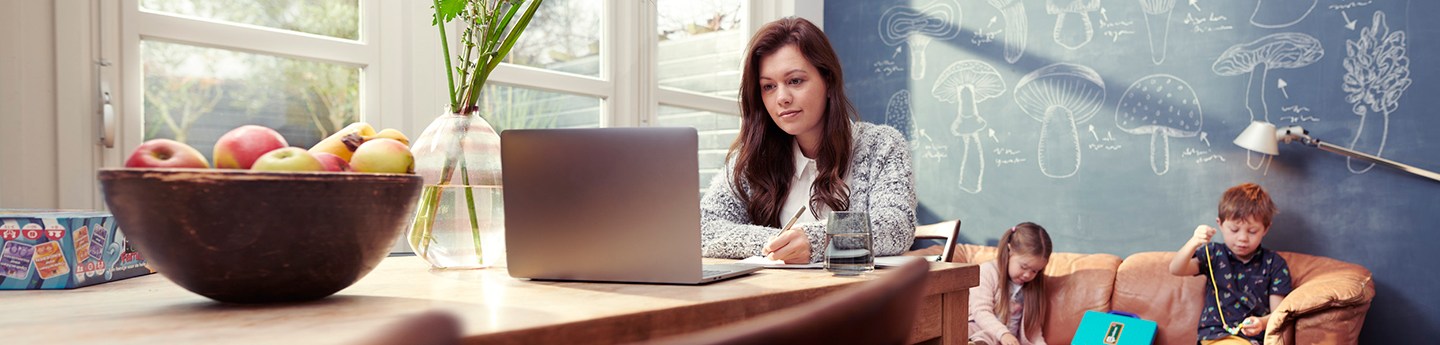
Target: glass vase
459, 222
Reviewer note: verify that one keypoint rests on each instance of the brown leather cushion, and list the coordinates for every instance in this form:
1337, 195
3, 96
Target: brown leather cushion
1074, 283
1144, 286
1320, 285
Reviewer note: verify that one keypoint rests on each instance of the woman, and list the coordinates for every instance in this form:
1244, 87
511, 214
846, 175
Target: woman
801, 145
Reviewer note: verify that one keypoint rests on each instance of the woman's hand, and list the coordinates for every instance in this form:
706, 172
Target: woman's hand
790, 246
1009, 339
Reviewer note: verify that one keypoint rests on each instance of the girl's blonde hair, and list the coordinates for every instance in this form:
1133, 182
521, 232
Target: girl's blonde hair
1024, 239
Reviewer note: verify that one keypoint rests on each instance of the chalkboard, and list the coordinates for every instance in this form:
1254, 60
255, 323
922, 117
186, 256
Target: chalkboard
1111, 123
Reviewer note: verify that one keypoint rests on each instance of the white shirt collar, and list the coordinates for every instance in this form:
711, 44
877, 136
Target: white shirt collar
801, 162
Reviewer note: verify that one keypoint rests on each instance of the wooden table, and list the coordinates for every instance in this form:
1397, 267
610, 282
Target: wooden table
493, 308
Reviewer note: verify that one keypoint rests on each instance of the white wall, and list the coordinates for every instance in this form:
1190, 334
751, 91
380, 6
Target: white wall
28, 159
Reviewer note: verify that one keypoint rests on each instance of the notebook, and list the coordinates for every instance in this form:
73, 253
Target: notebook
1114, 328
605, 204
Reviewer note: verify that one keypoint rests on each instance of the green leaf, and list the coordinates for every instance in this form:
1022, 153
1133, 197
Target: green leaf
448, 10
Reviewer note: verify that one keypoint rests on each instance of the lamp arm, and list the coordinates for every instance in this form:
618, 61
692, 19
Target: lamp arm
1370, 158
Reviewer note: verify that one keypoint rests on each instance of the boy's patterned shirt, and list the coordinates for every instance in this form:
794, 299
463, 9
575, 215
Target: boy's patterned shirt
1245, 287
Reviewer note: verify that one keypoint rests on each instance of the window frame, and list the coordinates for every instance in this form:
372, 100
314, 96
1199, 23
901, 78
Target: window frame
402, 75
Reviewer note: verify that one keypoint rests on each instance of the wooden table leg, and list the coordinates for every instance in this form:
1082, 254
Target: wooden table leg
955, 328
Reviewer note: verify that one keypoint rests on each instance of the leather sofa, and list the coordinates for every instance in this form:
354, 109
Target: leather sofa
1327, 306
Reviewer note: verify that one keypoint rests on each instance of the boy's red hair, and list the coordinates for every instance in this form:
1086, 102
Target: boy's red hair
1247, 201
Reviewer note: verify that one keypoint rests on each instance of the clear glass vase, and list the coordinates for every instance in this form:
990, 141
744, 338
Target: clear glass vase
459, 222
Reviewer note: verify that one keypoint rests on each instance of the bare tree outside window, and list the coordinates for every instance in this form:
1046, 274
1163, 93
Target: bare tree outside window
195, 94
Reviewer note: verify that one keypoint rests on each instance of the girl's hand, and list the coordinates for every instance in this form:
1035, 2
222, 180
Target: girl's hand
1253, 326
1203, 233
1009, 339
790, 246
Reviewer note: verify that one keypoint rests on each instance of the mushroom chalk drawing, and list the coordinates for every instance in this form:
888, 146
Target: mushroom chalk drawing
898, 115
1162, 106
915, 28
1017, 27
1279, 50
1072, 13
1377, 72
1157, 25
967, 83
1061, 96
1275, 14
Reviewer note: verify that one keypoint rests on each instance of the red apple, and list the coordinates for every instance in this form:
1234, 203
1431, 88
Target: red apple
331, 161
240, 147
383, 155
166, 153
288, 159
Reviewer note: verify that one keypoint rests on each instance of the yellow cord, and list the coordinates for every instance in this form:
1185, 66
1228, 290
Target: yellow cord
1210, 265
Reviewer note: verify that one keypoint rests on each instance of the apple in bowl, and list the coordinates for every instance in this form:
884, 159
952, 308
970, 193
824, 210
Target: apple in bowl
166, 153
240, 147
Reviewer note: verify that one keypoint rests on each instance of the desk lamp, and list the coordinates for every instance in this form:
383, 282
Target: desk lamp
1262, 137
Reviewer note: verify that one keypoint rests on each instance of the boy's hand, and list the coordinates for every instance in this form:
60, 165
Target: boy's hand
1203, 233
1253, 326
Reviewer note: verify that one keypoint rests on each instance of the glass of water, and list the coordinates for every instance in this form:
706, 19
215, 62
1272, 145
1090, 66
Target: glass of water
849, 248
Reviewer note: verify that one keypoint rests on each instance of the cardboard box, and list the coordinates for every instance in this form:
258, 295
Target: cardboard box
64, 249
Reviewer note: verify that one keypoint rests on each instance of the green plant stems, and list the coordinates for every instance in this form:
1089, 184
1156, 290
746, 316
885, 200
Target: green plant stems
470, 204
445, 48
505, 48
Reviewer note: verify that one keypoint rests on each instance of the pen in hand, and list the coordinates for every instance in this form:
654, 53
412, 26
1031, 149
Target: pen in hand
787, 226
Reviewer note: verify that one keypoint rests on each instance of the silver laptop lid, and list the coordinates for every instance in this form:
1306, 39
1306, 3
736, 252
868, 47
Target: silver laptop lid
602, 204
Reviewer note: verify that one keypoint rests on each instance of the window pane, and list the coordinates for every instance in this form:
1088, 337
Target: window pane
701, 45
195, 94
717, 132
563, 36
334, 18
511, 107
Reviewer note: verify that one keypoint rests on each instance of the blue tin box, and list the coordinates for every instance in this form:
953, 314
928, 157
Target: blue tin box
64, 249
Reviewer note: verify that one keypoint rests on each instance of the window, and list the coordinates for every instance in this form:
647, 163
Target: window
209, 66
193, 69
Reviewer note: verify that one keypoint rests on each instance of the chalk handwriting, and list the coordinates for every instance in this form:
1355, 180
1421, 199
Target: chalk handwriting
1299, 118
1008, 161
1005, 151
1116, 29
1008, 156
887, 67
1209, 23
1202, 156
1349, 5
981, 37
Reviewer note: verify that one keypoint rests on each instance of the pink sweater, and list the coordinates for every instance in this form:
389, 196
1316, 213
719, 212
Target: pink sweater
985, 323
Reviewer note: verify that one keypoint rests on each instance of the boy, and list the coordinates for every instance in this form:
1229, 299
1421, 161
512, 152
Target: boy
1250, 279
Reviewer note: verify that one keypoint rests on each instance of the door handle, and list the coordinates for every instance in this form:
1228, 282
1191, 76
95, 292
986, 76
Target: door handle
107, 110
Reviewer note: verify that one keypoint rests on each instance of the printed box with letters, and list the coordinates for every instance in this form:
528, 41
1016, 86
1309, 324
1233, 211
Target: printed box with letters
49, 249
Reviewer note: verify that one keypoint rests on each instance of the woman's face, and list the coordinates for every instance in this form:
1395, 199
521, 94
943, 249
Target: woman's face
794, 93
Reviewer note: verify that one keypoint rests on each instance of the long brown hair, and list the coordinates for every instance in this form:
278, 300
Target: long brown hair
1024, 239
762, 151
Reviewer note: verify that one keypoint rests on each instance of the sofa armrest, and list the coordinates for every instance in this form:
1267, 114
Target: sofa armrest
1328, 303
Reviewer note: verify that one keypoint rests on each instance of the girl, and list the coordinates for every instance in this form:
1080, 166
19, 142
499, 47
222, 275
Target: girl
1008, 307
801, 145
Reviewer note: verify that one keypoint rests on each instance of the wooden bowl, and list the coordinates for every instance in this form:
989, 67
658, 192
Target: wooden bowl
256, 237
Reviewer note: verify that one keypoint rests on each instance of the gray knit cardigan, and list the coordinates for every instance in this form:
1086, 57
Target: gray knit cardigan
881, 182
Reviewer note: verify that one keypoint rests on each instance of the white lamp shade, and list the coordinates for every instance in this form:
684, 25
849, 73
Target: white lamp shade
1259, 137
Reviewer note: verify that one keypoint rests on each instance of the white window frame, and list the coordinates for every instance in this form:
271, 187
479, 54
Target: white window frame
402, 80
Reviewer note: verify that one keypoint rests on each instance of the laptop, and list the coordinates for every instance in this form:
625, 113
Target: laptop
605, 204
1114, 328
